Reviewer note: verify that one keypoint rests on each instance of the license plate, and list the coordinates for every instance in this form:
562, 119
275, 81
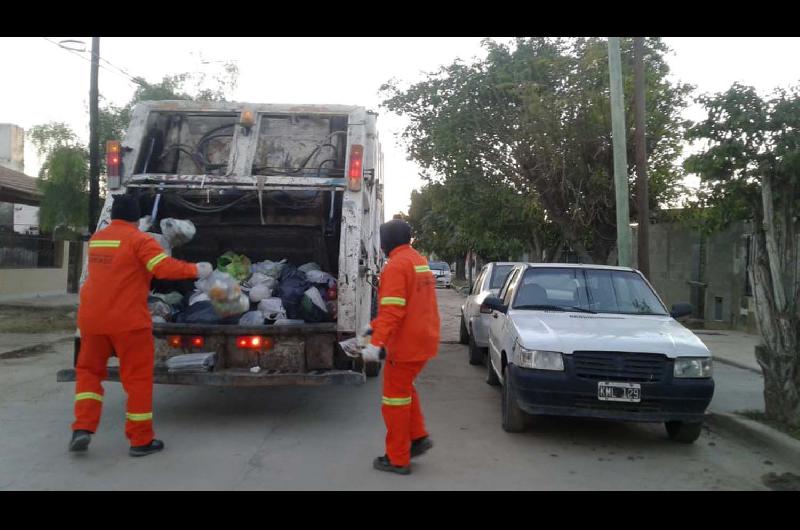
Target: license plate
631, 392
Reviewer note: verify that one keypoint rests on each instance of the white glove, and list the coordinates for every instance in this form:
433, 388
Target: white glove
204, 269
364, 336
371, 353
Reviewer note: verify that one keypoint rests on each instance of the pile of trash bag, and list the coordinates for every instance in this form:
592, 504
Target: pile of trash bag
248, 294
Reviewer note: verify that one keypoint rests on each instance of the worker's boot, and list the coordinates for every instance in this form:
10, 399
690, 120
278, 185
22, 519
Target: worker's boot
382, 463
80, 440
420, 446
144, 450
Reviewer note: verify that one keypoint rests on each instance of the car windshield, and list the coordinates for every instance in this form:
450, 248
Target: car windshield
595, 290
439, 266
499, 275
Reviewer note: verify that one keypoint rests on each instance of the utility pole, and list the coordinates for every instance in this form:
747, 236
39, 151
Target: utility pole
642, 196
620, 155
94, 148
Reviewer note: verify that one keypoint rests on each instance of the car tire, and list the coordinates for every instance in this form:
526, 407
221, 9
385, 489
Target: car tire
475, 353
491, 375
463, 334
372, 369
683, 431
514, 418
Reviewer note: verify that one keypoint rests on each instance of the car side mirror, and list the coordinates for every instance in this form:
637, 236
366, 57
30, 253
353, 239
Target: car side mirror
492, 303
681, 309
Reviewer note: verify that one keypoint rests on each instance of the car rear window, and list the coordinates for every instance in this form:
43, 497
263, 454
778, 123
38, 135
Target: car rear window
499, 275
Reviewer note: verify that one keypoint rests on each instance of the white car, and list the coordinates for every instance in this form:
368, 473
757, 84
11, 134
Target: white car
598, 342
441, 271
474, 324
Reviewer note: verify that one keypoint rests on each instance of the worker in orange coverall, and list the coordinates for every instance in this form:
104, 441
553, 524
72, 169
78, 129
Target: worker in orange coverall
407, 328
113, 316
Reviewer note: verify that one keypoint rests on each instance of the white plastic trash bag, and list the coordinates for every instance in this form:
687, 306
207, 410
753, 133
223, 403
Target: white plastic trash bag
162, 241
220, 287
231, 308
177, 231
272, 308
308, 267
260, 291
319, 277
269, 268
198, 296
252, 318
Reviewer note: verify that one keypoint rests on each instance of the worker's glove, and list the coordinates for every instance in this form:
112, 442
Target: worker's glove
204, 270
371, 353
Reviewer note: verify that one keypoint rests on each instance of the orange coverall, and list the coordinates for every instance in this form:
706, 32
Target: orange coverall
407, 326
113, 316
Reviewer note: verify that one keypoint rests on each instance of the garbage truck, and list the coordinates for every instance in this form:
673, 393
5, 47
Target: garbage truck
301, 183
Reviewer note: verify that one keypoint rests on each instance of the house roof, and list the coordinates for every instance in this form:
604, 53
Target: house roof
18, 187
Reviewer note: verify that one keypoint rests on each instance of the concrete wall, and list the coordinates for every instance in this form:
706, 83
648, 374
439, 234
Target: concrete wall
21, 283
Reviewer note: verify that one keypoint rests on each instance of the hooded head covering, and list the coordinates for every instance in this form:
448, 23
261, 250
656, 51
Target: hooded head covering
393, 234
125, 208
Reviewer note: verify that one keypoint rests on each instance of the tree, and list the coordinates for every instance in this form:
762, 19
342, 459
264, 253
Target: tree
63, 179
750, 169
534, 118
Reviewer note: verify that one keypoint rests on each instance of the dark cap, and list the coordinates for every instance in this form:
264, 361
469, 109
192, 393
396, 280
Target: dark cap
393, 234
125, 208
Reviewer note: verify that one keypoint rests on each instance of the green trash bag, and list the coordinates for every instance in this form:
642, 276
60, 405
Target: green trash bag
237, 265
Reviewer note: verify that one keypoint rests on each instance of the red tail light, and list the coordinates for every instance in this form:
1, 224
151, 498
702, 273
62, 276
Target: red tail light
254, 342
113, 152
186, 341
356, 171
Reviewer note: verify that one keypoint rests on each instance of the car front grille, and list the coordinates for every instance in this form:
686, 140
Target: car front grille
620, 366
648, 405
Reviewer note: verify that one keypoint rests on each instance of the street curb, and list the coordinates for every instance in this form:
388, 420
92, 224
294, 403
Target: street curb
34, 348
755, 432
737, 365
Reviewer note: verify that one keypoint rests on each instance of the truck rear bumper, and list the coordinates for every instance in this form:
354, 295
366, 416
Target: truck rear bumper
239, 377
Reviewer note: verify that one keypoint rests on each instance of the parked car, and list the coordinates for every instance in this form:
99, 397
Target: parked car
474, 324
595, 341
441, 271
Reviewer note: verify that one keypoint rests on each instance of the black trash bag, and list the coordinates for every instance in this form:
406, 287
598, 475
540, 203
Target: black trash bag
292, 285
203, 313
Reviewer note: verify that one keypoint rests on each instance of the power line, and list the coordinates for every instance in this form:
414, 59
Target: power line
129, 78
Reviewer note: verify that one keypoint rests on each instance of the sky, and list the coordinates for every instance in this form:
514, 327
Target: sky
43, 82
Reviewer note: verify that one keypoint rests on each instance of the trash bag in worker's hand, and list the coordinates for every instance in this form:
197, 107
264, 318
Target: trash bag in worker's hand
162, 240
237, 265
220, 287
177, 231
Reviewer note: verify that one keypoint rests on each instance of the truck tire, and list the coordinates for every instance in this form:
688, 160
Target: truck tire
372, 369
476, 354
514, 418
684, 431
463, 334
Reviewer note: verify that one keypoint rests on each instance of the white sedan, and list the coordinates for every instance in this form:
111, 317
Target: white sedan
595, 341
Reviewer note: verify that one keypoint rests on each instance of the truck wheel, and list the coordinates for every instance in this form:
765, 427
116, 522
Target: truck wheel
475, 353
684, 431
491, 375
514, 418
372, 369
463, 334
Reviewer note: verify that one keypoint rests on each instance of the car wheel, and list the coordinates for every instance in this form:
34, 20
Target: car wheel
372, 369
475, 353
684, 431
491, 375
463, 334
514, 418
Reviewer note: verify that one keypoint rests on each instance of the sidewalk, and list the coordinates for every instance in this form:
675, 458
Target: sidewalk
14, 343
732, 347
57, 300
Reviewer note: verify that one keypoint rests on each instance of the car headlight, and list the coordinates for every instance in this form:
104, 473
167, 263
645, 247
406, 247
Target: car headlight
539, 359
693, 367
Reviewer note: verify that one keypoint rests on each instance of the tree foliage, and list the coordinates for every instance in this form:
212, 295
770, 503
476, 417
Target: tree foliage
750, 169
533, 118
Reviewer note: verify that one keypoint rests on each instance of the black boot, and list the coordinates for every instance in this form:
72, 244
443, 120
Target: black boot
80, 440
144, 450
382, 463
420, 446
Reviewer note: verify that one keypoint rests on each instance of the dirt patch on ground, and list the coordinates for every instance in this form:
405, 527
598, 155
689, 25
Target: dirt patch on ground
16, 319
